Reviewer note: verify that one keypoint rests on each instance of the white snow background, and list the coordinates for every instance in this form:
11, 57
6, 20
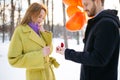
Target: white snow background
68, 70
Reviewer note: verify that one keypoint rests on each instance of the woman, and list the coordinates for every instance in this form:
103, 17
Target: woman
31, 45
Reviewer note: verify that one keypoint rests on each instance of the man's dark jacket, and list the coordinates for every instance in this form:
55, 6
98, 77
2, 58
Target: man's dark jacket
101, 51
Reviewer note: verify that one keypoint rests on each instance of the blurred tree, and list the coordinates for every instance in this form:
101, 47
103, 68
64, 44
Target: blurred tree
29, 2
43, 1
52, 16
19, 8
12, 18
78, 37
3, 26
64, 30
47, 20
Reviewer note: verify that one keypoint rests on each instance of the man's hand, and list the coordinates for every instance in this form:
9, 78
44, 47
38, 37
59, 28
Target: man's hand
60, 49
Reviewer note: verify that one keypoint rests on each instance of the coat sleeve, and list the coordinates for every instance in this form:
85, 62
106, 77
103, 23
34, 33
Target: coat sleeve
105, 41
16, 57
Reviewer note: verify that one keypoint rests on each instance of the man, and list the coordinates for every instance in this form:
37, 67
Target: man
99, 59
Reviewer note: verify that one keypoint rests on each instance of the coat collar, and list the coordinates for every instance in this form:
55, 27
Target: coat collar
26, 28
33, 36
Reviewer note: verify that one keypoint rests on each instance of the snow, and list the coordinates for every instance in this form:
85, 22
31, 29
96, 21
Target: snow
68, 70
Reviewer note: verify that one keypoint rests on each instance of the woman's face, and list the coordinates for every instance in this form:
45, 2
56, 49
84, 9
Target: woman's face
40, 18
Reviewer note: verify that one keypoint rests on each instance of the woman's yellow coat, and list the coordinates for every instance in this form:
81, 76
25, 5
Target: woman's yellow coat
25, 51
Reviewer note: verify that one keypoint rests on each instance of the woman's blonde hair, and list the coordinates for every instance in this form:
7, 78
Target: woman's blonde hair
33, 11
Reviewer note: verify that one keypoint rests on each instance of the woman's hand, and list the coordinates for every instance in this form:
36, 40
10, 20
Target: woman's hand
41, 28
46, 50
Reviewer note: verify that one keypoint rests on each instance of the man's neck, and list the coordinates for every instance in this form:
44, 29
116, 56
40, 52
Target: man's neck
98, 11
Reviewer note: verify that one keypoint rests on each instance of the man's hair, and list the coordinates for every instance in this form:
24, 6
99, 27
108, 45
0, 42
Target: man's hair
102, 1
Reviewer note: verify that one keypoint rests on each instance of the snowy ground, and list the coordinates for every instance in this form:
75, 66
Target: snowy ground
68, 70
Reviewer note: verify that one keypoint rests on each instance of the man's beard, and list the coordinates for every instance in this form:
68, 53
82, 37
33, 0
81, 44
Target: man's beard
92, 12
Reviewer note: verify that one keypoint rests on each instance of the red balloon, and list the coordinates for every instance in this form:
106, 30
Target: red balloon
72, 10
70, 2
76, 22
